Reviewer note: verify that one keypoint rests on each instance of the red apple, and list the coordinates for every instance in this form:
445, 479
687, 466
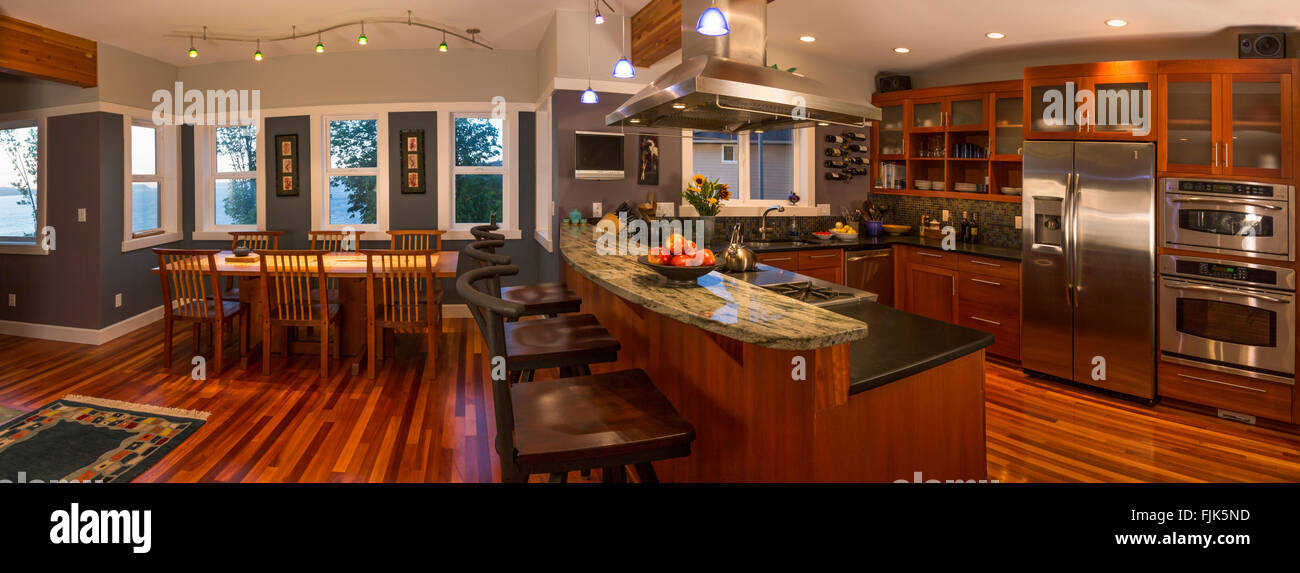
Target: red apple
675, 243
659, 256
683, 261
706, 258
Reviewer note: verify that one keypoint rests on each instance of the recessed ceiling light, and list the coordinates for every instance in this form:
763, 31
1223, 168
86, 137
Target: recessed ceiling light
634, 120
807, 39
995, 35
1116, 22
902, 50
822, 124
679, 106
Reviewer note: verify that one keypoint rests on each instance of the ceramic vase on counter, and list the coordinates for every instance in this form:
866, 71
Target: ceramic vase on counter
706, 238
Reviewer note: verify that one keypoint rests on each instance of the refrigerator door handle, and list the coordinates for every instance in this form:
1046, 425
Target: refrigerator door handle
1075, 271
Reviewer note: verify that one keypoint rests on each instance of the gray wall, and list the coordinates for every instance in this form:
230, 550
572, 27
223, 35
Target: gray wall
291, 214
413, 211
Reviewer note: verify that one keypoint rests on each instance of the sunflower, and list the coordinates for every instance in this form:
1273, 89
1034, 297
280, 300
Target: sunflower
699, 180
713, 200
724, 194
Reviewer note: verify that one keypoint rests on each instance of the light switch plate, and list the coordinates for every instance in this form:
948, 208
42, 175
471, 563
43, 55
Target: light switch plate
1019, 222
595, 209
117, 301
13, 299
81, 215
665, 209
945, 215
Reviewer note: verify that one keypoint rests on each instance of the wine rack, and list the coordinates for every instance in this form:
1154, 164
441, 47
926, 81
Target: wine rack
846, 155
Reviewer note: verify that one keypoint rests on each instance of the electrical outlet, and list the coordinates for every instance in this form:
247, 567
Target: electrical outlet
13, 299
1019, 222
81, 215
945, 215
665, 209
117, 301
595, 209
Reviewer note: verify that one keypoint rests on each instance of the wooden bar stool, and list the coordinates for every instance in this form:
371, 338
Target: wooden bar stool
416, 240
571, 342
542, 299
398, 289
608, 421
290, 277
187, 276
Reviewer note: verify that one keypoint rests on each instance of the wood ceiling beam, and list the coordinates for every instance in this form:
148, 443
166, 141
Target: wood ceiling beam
657, 31
39, 52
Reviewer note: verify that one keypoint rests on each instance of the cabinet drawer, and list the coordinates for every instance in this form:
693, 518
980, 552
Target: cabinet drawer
989, 266
829, 274
822, 259
1006, 333
932, 257
1225, 391
991, 295
788, 261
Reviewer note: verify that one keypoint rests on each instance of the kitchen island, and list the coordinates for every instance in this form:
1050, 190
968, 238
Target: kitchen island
769, 382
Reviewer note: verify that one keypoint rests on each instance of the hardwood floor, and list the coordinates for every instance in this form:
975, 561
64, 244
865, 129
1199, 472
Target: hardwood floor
292, 426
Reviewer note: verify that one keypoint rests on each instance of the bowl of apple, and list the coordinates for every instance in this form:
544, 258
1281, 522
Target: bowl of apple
680, 261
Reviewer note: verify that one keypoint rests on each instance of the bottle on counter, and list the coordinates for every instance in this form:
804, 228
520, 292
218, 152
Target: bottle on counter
974, 228
963, 228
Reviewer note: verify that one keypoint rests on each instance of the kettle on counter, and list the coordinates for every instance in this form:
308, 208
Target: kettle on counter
738, 258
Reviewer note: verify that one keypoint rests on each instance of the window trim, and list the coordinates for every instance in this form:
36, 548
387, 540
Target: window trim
166, 168
503, 170
8, 245
741, 204
735, 149
205, 184
321, 172
510, 224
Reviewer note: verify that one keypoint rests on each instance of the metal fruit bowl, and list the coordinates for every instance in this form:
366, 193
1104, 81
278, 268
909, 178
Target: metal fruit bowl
678, 276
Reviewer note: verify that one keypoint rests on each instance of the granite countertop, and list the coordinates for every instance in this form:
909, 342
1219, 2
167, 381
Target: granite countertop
722, 304
865, 242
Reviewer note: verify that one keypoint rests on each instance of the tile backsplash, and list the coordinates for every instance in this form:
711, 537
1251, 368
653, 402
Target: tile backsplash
997, 220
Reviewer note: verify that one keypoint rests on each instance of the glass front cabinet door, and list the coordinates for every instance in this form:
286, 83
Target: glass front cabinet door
1191, 133
1256, 122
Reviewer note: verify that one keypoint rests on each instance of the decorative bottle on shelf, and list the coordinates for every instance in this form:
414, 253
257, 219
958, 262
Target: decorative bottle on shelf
858, 148
855, 135
834, 152
834, 164
835, 139
855, 160
833, 176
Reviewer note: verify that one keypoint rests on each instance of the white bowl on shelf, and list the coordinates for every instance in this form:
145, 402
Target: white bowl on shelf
922, 184
936, 185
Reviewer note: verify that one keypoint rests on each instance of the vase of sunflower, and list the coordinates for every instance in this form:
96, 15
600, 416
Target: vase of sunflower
706, 196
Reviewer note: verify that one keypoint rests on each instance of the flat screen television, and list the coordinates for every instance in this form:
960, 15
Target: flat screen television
598, 156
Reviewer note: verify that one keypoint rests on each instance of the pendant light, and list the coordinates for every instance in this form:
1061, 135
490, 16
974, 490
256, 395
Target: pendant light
362, 38
712, 22
193, 53
257, 56
589, 96
623, 68
320, 46
443, 46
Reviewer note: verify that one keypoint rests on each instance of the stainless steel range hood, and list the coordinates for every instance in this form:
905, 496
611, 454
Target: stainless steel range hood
724, 84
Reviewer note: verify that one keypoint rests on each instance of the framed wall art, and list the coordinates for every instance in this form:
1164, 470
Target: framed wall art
647, 170
286, 165
411, 144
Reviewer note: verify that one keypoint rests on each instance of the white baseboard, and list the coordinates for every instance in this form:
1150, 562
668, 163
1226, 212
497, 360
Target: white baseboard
456, 311
81, 335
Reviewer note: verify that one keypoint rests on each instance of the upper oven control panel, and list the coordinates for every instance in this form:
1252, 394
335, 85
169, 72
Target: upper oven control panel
1221, 187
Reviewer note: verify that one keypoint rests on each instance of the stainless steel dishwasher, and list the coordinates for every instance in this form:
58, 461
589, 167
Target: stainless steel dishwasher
871, 271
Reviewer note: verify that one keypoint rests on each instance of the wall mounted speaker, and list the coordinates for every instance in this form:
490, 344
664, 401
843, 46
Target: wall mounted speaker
893, 83
1261, 46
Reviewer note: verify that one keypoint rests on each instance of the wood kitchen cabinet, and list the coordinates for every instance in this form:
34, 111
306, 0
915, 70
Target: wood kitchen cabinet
824, 264
976, 292
1227, 117
1118, 90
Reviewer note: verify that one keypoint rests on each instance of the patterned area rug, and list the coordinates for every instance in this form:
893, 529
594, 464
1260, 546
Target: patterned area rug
6, 414
79, 438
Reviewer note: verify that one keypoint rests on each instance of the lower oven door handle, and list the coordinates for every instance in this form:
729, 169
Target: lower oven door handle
1224, 202
1190, 286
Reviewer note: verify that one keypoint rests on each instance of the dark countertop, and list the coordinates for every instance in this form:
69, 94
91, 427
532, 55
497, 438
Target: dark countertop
899, 343
884, 241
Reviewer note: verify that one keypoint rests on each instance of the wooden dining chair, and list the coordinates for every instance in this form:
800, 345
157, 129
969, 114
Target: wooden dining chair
255, 240
332, 241
288, 280
398, 288
191, 292
610, 420
418, 240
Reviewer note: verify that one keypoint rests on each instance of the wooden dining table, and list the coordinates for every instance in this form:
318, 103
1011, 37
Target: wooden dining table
348, 268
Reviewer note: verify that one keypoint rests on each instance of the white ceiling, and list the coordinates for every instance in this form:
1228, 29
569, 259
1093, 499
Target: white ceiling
861, 33
139, 25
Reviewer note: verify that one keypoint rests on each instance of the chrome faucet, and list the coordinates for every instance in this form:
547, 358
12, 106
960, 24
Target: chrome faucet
766, 233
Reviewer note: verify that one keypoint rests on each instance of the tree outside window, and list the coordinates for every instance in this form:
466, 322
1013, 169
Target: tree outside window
479, 169
235, 197
19, 167
353, 171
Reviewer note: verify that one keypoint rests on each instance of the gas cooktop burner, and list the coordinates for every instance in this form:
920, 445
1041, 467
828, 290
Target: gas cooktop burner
805, 291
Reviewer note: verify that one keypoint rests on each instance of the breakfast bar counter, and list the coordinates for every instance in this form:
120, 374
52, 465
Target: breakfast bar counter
767, 381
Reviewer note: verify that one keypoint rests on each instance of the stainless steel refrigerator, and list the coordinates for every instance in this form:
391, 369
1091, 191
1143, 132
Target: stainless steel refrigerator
1088, 271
